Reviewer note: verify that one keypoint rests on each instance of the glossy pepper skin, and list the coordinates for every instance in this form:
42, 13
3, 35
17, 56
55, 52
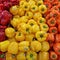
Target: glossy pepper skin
51, 22
11, 46
45, 46
56, 48
53, 55
53, 30
50, 37
43, 56
41, 36
57, 37
4, 45
31, 55
21, 56
44, 27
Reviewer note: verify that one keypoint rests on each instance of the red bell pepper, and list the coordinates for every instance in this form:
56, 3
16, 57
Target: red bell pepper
53, 30
51, 22
53, 55
56, 48
57, 37
50, 37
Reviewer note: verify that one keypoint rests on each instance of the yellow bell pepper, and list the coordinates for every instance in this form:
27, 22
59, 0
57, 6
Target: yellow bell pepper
39, 3
35, 46
4, 46
31, 55
31, 22
29, 14
15, 21
42, 9
34, 8
24, 46
26, 6
35, 28
31, 2
14, 10
45, 46
41, 36
13, 48
43, 56
10, 56
19, 36
41, 20
21, 56
27, 29
23, 19
44, 27
10, 32
21, 26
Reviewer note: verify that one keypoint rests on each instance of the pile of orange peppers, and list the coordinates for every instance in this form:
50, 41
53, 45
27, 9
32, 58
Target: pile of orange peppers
33, 32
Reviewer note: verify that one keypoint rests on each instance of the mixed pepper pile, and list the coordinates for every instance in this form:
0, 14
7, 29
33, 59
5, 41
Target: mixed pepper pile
29, 30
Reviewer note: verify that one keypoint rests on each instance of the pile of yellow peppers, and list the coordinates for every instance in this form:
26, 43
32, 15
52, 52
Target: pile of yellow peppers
27, 36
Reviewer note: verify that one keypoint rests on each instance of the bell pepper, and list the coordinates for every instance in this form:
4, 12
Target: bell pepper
53, 30
10, 56
57, 37
50, 37
41, 20
14, 10
42, 9
44, 27
14, 22
31, 55
53, 55
10, 32
43, 56
35, 46
55, 14
35, 28
45, 46
51, 22
34, 8
56, 48
19, 36
13, 45
4, 46
21, 56
41, 36
39, 3
29, 14
25, 29
32, 22
24, 46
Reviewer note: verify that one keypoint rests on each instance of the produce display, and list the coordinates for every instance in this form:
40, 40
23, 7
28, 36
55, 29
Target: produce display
29, 30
